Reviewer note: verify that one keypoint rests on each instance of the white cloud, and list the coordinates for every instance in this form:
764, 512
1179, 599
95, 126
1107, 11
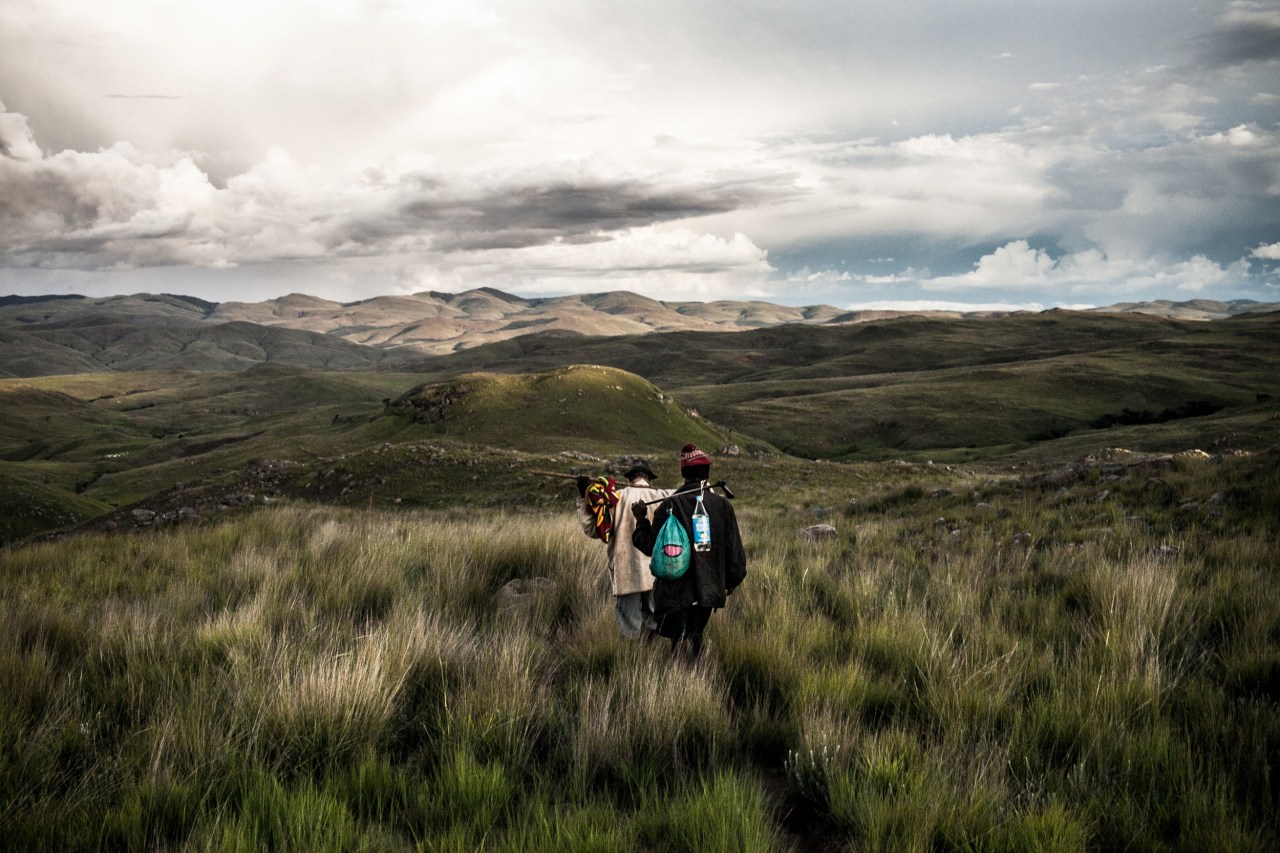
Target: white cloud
16, 139
1028, 269
962, 307
1015, 263
1267, 252
974, 187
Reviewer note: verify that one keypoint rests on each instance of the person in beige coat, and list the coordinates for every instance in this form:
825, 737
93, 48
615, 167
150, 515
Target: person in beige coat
630, 580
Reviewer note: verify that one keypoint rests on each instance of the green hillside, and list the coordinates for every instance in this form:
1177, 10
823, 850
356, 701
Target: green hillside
32, 503
122, 343
586, 407
917, 386
168, 441
977, 392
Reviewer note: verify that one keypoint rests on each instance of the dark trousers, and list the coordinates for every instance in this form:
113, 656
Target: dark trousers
685, 627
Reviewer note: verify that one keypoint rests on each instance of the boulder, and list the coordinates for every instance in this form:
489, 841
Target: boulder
1065, 474
818, 532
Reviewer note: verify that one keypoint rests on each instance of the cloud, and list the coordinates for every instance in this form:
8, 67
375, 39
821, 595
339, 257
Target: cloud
537, 142
974, 188
640, 249
580, 208
1247, 31
17, 142
1270, 252
940, 305
118, 207
668, 263
1020, 265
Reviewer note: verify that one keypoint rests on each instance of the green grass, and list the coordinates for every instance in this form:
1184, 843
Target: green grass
948, 406
32, 501
926, 386
1056, 644
579, 407
973, 393
122, 438
975, 662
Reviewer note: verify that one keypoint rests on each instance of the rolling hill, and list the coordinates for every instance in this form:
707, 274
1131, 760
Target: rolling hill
230, 406
68, 334
203, 442
578, 406
80, 344
917, 384
72, 334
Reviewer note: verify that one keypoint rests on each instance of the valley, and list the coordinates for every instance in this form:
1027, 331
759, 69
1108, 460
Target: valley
1010, 587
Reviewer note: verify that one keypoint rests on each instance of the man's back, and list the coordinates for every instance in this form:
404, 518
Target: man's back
630, 567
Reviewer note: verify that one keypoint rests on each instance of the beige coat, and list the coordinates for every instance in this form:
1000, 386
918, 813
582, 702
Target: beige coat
628, 568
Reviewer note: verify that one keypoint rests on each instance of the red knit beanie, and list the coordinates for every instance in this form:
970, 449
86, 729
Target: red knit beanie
690, 455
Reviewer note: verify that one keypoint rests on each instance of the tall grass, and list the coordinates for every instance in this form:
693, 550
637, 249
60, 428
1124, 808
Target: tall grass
1001, 668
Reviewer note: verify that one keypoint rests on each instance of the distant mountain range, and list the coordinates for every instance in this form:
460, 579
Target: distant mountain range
74, 334
1195, 309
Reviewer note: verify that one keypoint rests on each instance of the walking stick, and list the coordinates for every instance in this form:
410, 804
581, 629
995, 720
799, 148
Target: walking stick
720, 484
574, 477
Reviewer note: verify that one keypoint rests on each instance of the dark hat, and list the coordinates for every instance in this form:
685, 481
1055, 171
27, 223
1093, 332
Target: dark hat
640, 466
690, 456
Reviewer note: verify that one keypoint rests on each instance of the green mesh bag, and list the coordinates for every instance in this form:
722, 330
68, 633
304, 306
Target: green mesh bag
671, 551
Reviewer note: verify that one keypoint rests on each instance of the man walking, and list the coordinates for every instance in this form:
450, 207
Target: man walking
684, 605
630, 580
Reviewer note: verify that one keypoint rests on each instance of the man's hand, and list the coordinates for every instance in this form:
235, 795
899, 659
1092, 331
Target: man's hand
583, 481
640, 511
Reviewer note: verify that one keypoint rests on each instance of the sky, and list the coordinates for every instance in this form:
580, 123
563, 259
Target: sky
857, 153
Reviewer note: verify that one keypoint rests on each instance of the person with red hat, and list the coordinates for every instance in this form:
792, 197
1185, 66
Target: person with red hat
684, 605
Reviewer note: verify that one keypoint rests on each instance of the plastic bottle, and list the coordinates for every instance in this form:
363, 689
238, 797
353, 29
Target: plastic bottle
701, 527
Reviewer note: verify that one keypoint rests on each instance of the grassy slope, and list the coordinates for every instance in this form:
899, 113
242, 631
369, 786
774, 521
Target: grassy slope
581, 406
177, 439
1004, 661
118, 437
124, 343
925, 385
1050, 668
952, 391
33, 501
967, 407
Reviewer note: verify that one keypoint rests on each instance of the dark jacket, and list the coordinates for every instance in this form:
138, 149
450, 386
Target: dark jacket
712, 574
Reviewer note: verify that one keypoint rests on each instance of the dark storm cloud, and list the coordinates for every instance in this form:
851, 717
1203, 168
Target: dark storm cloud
1247, 32
30, 200
564, 211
